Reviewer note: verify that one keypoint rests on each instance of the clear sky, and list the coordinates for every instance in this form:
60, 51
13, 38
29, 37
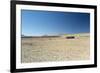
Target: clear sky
37, 23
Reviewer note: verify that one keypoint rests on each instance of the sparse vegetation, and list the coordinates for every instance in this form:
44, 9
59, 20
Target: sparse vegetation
44, 49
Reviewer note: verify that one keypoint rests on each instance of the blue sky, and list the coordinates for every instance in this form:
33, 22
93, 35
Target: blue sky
37, 23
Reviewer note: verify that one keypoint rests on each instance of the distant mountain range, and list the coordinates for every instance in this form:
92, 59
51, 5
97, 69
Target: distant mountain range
79, 34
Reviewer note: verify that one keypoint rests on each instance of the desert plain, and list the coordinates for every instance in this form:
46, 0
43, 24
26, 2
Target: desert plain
58, 48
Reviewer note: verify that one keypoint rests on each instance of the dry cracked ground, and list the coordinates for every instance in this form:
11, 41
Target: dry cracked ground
54, 49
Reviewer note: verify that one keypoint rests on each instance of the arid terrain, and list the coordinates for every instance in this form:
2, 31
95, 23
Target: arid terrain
44, 49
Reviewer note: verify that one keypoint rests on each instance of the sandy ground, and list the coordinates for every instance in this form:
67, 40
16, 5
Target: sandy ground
54, 49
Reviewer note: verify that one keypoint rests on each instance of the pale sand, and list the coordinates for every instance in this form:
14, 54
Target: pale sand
55, 49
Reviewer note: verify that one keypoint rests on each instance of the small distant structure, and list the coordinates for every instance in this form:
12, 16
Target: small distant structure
70, 37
